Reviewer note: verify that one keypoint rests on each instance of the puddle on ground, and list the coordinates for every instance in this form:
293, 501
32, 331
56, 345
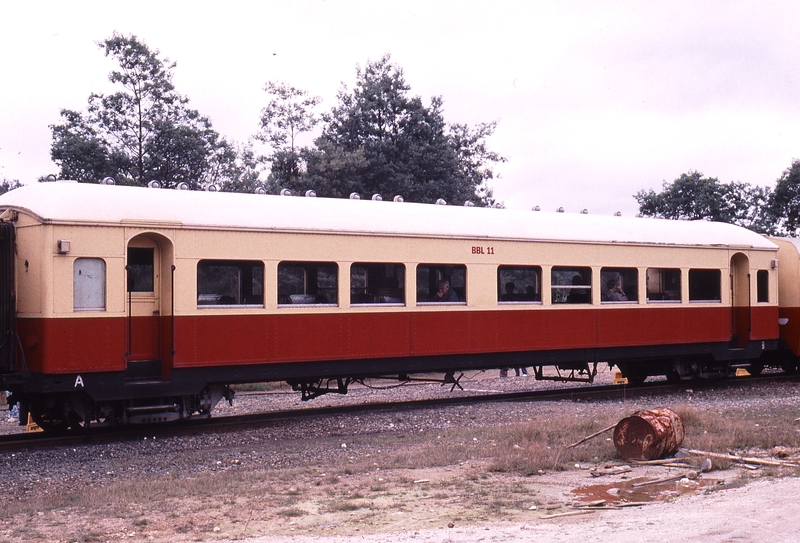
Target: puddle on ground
622, 492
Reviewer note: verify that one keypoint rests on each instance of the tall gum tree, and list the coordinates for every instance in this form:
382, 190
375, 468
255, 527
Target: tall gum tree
145, 131
289, 113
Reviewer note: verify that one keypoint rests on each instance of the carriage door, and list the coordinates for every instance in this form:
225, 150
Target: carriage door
144, 299
740, 301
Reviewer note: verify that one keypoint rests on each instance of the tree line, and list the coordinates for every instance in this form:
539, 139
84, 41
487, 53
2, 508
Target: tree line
377, 139
771, 211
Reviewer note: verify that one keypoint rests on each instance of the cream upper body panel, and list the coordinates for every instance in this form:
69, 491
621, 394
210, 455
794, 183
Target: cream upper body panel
99, 221
789, 268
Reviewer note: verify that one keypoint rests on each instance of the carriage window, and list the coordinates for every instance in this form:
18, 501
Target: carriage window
704, 285
519, 284
377, 283
230, 282
762, 278
140, 269
619, 284
309, 283
441, 283
89, 284
571, 285
663, 285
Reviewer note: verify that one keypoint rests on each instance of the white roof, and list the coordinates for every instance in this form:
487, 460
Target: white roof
65, 202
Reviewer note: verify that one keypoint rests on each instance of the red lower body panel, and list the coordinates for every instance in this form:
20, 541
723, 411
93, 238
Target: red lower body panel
100, 344
790, 331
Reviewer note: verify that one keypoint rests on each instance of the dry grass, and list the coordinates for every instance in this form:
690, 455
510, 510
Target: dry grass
492, 464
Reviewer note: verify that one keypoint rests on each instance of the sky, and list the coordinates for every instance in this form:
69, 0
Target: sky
594, 100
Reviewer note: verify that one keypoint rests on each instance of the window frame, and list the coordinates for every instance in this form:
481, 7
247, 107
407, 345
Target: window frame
677, 300
762, 286
519, 298
375, 267
242, 294
443, 272
76, 290
306, 266
582, 271
693, 283
134, 267
625, 273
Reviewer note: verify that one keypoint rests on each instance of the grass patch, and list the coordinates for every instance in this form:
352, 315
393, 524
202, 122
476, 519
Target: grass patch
292, 512
261, 387
488, 464
338, 506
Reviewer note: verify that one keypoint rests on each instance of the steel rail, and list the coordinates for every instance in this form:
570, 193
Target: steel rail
38, 440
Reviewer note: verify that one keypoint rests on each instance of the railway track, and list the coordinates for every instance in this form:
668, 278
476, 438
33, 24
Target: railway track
37, 440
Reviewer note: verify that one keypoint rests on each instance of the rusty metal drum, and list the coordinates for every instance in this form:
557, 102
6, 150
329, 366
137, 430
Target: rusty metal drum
649, 434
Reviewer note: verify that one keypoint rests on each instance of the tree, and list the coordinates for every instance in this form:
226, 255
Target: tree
7, 185
287, 115
81, 152
246, 174
693, 197
784, 202
143, 132
751, 206
379, 139
474, 156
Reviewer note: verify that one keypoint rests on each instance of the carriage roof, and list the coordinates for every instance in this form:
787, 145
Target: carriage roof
83, 203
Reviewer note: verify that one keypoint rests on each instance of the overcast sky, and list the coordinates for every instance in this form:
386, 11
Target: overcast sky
595, 100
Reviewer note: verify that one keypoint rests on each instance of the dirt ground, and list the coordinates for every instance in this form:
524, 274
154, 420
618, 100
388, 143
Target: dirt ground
300, 483
725, 508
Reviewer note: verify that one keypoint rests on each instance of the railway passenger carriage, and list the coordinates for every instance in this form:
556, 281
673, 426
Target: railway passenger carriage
126, 304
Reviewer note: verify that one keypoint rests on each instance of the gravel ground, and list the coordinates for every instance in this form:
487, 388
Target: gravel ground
294, 445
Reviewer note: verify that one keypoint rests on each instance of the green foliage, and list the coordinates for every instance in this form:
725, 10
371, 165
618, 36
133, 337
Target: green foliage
784, 204
377, 139
7, 185
145, 131
380, 139
287, 115
693, 197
